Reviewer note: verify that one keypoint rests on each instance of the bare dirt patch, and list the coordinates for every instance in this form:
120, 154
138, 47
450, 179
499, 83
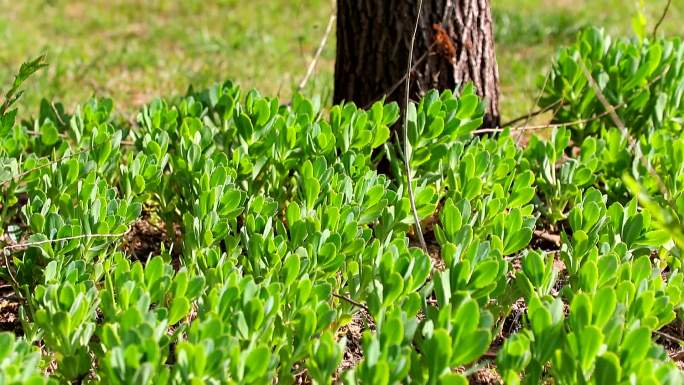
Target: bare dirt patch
9, 310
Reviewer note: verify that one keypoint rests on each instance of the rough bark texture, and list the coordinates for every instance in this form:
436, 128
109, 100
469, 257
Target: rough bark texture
454, 45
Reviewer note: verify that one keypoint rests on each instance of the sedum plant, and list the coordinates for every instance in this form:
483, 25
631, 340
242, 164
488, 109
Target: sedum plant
280, 227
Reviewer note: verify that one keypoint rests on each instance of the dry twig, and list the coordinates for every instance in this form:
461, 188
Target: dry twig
530, 114
351, 301
623, 130
62, 135
23, 174
319, 51
662, 18
552, 125
412, 198
15, 283
401, 81
24, 245
6, 251
545, 235
669, 337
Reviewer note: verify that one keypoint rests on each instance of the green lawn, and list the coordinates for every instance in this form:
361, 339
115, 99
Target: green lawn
134, 50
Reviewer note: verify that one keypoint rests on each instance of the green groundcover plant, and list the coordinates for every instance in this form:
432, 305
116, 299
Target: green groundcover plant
281, 232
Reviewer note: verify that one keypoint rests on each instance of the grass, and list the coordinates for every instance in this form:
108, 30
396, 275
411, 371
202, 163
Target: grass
134, 50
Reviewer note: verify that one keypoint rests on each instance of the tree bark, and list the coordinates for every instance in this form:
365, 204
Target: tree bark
454, 45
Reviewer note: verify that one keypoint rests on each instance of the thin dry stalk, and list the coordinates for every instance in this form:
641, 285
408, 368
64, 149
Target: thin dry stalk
24, 245
553, 125
662, 18
23, 174
351, 301
412, 198
319, 51
623, 129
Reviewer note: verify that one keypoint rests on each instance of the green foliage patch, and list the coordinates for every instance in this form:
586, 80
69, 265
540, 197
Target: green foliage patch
284, 222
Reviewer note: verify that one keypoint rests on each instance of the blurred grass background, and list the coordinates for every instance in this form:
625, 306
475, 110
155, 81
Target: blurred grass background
134, 50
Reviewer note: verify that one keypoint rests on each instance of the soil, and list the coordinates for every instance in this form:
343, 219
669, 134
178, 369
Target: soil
353, 332
353, 354
147, 237
9, 309
301, 375
671, 337
143, 240
545, 241
436, 257
486, 376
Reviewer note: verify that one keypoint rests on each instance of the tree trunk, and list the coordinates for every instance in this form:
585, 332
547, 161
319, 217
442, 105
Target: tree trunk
454, 45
